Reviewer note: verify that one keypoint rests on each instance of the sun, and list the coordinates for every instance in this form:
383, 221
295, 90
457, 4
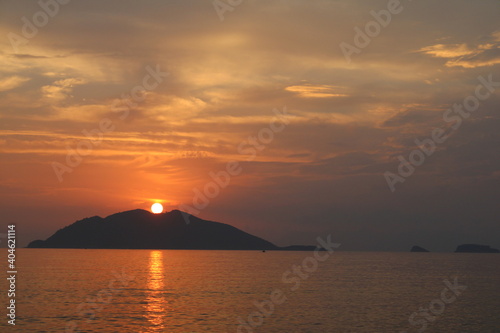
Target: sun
157, 208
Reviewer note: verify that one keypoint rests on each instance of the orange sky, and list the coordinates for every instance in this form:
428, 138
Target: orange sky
322, 172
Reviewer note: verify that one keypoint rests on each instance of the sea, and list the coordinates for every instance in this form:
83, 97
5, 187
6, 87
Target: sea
79, 290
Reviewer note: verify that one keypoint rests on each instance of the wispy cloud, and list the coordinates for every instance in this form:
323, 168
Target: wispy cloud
316, 91
468, 56
12, 82
61, 89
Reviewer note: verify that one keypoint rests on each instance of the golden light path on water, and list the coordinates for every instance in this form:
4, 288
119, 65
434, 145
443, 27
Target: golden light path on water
155, 302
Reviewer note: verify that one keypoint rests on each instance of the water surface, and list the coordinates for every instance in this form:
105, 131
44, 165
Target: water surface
210, 291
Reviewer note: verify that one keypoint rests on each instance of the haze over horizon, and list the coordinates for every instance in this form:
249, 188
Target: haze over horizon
330, 127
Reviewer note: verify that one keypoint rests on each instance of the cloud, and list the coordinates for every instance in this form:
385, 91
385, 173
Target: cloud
28, 56
12, 82
462, 55
486, 58
316, 91
413, 118
447, 51
61, 89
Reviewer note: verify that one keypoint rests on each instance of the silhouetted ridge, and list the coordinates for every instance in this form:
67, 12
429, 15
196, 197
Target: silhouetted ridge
302, 248
140, 229
475, 248
417, 248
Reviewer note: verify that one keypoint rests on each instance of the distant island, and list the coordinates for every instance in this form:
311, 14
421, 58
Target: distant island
464, 248
140, 229
475, 248
416, 248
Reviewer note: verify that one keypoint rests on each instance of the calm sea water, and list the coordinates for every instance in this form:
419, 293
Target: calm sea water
211, 291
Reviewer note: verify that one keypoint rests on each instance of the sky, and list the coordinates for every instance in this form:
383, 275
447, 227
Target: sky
302, 110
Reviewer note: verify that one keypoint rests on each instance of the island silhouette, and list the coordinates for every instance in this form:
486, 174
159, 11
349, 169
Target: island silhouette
417, 248
141, 229
475, 248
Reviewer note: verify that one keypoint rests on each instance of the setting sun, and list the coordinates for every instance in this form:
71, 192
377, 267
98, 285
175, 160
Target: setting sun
157, 208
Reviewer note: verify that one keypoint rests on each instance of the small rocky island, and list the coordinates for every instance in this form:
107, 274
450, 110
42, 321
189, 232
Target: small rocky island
475, 248
416, 248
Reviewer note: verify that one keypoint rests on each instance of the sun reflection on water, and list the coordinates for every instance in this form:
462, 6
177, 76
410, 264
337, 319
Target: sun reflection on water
155, 302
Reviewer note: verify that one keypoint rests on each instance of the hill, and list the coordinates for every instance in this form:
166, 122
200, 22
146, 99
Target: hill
475, 248
140, 229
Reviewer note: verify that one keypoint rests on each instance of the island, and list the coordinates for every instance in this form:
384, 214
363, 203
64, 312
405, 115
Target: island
475, 248
141, 229
416, 248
